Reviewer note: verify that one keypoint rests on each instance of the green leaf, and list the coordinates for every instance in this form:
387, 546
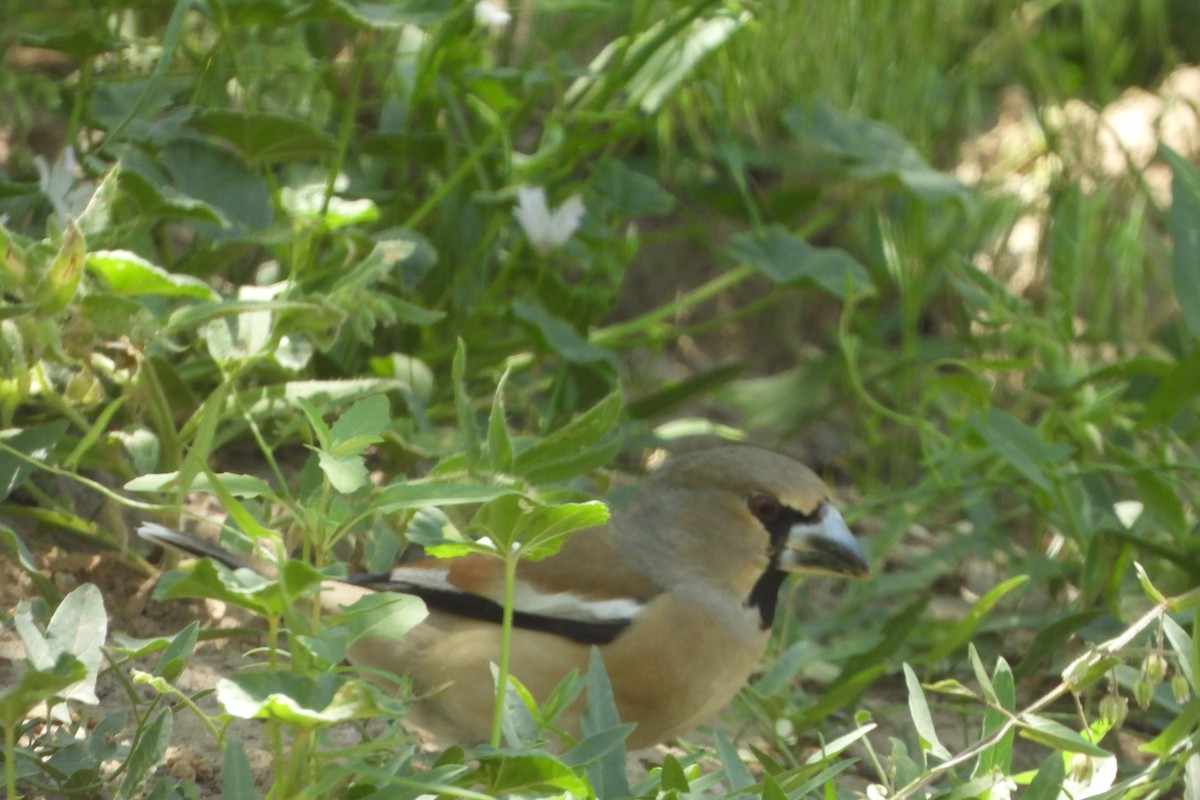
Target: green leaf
513, 772
1175, 391
346, 475
401, 496
145, 756
129, 274
673, 61
387, 615
867, 150
1020, 445
80, 626
965, 629
1179, 728
57, 287
237, 779
1183, 646
627, 191
737, 775
607, 775
785, 258
1057, 736
242, 588
998, 757
671, 395
1047, 783
177, 653
305, 702
265, 137
463, 407
538, 531
918, 708
560, 336
1185, 234
36, 686
562, 454
35, 442
217, 177
12, 542
500, 449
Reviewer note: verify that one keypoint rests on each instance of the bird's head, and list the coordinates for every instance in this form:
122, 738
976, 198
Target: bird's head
744, 517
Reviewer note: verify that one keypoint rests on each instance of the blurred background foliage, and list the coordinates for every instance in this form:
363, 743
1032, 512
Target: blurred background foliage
945, 251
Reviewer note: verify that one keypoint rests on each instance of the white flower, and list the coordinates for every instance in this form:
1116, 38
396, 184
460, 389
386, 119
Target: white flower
493, 14
547, 230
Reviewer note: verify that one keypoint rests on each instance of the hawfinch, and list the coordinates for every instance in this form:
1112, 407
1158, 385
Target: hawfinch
678, 591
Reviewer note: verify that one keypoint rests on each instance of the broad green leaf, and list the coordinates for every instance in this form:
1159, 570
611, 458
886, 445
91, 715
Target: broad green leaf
785, 258
918, 708
35, 686
80, 626
560, 336
389, 615
10, 541
627, 191
360, 425
866, 150
347, 474
35, 443
305, 702
265, 137
127, 273
514, 772
216, 176
565, 445
1185, 235
242, 588
177, 653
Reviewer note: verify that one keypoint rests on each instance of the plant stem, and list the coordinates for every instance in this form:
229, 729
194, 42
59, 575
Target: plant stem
510, 583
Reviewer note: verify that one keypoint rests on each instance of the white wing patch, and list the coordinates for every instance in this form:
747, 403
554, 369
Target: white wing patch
527, 599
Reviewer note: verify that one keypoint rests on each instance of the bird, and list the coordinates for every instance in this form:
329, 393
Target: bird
677, 591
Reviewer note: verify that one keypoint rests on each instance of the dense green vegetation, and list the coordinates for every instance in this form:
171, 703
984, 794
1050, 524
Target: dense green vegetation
910, 243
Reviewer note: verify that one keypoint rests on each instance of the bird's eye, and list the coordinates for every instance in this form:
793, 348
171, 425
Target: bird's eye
765, 507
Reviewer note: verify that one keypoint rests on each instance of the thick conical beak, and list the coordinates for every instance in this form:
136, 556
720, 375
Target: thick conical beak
824, 546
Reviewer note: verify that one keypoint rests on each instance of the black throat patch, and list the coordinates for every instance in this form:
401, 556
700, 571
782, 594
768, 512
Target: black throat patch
765, 595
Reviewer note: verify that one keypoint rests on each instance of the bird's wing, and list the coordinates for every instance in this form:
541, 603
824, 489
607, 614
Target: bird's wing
586, 593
